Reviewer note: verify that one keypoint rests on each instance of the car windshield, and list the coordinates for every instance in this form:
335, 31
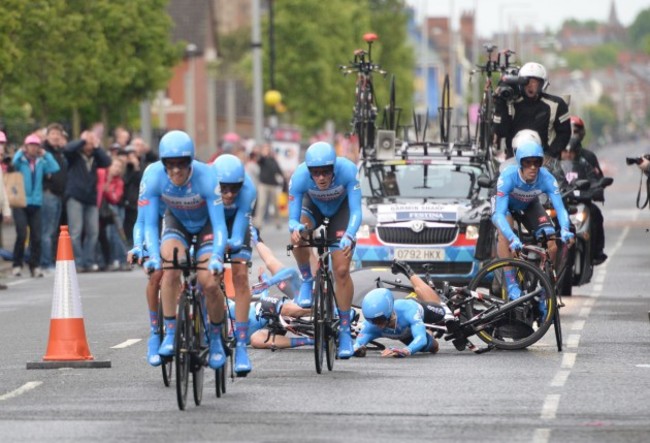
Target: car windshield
419, 180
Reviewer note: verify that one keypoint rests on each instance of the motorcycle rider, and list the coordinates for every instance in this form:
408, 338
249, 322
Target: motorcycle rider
577, 152
534, 109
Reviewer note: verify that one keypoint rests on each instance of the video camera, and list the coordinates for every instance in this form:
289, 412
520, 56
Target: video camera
509, 86
636, 160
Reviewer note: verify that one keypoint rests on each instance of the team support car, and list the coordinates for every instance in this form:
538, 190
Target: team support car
424, 206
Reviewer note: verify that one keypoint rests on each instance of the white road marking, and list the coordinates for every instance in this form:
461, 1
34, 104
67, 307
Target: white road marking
568, 360
549, 409
643, 365
541, 435
127, 343
578, 325
573, 340
21, 390
598, 288
584, 312
560, 378
599, 278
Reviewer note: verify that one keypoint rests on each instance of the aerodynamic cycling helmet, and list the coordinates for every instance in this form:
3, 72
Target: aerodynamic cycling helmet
534, 70
229, 169
523, 136
176, 144
320, 154
529, 149
377, 303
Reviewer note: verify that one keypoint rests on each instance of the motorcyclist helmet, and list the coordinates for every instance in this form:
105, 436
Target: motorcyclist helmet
529, 150
577, 128
534, 70
377, 305
523, 136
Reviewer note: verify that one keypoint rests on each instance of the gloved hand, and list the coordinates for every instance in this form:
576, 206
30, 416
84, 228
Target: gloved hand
566, 235
216, 265
135, 254
346, 241
255, 235
295, 226
516, 244
396, 352
153, 264
234, 245
400, 267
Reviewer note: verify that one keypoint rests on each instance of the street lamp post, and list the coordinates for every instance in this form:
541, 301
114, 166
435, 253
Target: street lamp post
190, 91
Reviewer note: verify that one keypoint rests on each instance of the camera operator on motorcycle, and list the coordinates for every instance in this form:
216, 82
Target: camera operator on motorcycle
588, 167
518, 190
532, 108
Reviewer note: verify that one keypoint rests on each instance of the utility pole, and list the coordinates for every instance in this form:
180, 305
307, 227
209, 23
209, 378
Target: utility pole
256, 44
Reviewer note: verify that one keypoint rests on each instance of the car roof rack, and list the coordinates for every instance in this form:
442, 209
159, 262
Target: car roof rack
436, 150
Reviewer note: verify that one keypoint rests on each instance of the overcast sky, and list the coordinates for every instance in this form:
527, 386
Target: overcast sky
541, 14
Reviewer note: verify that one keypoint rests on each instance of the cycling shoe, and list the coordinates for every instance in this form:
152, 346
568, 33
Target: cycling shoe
514, 292
152, 350
242, 362
166, 348
304, 297
346, 346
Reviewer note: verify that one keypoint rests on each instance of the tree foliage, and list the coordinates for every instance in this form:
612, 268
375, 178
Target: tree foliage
99, 57
639, 31
312, 38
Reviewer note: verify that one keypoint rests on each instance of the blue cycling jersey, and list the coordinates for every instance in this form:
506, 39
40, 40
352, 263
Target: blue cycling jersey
241, 210
344, 184
192, 204
408, 325
138, 227
514, 194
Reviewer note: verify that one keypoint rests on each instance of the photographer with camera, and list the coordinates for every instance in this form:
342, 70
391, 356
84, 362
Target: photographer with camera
643, 163
521, 103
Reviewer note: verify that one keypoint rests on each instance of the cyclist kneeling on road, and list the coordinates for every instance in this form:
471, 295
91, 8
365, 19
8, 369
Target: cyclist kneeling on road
238, 194
518, 190
326, 186
402, 319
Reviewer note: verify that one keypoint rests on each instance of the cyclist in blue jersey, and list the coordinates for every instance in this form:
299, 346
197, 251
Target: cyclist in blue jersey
326, 186
402, 319
137, 253
190, 191
518, 190
238, 194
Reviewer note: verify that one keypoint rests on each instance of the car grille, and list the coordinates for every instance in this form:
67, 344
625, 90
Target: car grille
435, 268
428, 236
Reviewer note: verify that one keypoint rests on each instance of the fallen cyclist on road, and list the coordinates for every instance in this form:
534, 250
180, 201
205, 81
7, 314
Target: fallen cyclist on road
402, 319
288, 281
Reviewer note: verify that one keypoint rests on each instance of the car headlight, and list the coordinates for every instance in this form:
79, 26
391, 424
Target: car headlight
364, 231
471, 232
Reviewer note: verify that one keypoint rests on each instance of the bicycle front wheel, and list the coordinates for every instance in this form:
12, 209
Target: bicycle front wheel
199, 351
182, 355
167, 362
318, 316
331, 324
524, 325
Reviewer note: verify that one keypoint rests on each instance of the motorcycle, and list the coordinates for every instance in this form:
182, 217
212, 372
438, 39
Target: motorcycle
578, 199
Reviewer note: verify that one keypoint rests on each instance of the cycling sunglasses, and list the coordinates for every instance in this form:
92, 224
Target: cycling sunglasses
177, 163
528, 162
379, 321
232, 188
324, 172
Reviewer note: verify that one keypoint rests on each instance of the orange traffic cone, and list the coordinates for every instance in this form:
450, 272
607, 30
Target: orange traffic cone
67, 345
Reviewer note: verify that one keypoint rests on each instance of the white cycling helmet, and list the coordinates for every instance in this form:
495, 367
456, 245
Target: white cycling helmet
535, 70
523, 136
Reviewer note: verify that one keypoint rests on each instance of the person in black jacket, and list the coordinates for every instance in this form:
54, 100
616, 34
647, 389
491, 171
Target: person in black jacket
132, 177
270, 180
84, 157
534, 109
53, 192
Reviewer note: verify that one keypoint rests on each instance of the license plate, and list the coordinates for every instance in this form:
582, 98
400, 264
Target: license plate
420, 254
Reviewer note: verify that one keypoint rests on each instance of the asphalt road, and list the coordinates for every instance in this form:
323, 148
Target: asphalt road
595, 390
